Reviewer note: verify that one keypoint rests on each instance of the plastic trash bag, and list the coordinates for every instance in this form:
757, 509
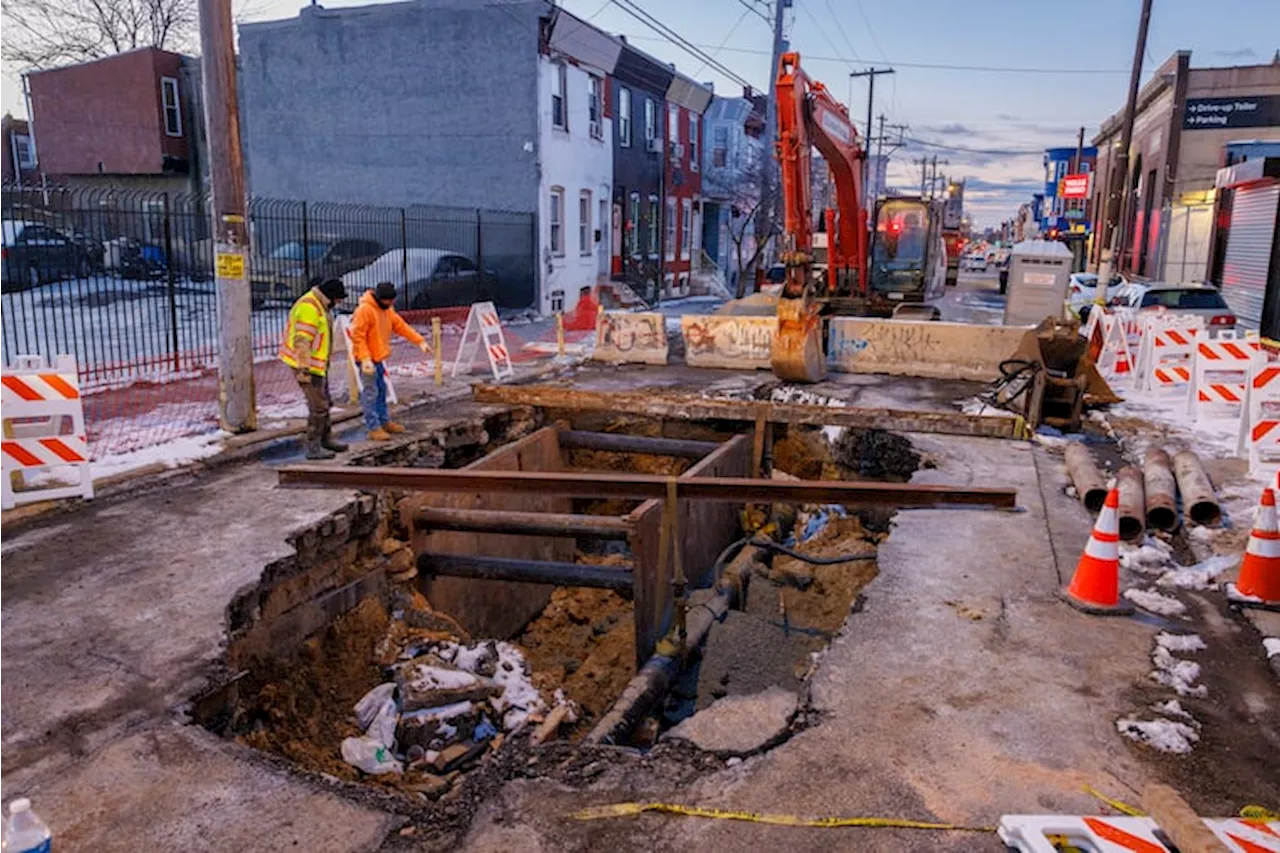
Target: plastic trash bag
371, 703
365, 753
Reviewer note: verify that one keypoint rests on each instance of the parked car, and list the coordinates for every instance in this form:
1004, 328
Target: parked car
425, 278
974, 262
286, 272
1202, 299
34, 253
1082, 290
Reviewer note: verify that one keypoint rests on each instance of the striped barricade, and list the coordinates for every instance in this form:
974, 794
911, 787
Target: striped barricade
1260, 431
1223, 369
1047, 834
1167, 358
44, 434
484, 329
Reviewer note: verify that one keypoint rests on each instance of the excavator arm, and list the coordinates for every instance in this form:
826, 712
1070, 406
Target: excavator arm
809, 117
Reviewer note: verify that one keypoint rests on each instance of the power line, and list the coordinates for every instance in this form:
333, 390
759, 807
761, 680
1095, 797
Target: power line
761, 15
941, 147
726, 38
989, 69
677, 40
825, 35
870, 29
840, 27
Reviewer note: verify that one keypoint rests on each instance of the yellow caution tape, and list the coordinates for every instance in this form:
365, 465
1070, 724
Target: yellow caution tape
1123, 808
631, 809
1255, 812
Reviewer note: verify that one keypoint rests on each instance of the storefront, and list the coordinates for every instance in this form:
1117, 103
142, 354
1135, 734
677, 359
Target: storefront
1251, 260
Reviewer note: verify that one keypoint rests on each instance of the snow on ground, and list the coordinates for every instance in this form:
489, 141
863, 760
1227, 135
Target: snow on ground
1179, 674
171, 454
1179, 642
1272, 646
1153, 556
1163, 735
1199, 576
1211, 437
1154, 602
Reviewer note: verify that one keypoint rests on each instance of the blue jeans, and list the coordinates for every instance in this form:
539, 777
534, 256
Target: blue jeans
373, 397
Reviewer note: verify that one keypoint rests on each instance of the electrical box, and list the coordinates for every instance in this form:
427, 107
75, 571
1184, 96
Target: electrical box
1039, 271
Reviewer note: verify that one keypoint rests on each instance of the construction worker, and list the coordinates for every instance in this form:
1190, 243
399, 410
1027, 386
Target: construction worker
371, 327
307, 342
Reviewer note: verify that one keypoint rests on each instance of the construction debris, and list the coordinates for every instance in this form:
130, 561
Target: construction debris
739, 725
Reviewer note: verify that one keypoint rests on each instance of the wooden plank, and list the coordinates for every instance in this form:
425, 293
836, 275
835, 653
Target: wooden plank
707, 527
689, 407
651, 587
489, 608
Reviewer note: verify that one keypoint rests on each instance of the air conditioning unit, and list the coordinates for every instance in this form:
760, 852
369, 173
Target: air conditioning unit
596, 133
653, 146
677, 150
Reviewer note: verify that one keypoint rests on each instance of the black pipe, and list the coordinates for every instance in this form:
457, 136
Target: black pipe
622, 443
529, 571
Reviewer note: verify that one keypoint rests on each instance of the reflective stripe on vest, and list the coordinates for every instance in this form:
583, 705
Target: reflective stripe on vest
319, 360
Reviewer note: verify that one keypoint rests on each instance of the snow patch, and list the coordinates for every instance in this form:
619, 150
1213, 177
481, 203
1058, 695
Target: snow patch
1199, 576
1173, 708
1272, 646
1179, 642
1163, 735
171, 454
1200, 533
1154, 602
792, 394
1151, 557
1178, 674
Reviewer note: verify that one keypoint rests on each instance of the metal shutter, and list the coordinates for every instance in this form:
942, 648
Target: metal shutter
1244, 271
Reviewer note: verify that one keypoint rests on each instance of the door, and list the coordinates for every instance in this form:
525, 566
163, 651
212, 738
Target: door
1247, 264
603, 243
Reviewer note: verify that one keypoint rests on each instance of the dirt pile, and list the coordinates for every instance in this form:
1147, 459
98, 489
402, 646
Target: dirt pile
875, 454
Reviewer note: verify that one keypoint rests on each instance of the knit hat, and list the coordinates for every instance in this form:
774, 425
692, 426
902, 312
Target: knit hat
334, 289
385, 291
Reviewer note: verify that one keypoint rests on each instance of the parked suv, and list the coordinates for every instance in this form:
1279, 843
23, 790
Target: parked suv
285, 272
34, 253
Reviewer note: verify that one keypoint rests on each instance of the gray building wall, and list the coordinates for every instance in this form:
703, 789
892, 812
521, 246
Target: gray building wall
425, 102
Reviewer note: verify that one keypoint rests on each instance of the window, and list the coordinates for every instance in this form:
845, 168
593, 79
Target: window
559, 115
673, 123
633, 226
719, 146
693, 142
653, 226
593, 108
650, 119
671, 227
584, 223
624, 117
26, 153
686, 225
172, 106
556, 216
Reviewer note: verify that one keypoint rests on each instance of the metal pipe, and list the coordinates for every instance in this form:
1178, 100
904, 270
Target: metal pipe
1199, 502
528, 571
1091, 488
591, 484
1161, 490
522, 523
1132, 506
573, 439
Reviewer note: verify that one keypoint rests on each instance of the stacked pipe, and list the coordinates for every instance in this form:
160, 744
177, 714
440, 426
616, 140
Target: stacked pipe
1148, 495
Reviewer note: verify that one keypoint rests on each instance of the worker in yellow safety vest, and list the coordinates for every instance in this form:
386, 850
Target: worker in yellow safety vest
308, 340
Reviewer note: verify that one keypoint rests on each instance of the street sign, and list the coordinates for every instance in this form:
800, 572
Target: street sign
1074, 186
1222, 113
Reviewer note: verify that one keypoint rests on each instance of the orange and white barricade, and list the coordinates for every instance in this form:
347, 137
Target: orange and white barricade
1260, 429
43, 418
1115, 362
484, 329
1167, 357
1223, 368
1038, 834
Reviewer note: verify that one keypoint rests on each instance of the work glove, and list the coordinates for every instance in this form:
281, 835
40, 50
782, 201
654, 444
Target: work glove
366, 367
425, 347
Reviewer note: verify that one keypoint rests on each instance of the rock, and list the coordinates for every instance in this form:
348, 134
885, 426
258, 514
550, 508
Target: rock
456, 755
428, 783
434, 727
428, 682
739, 725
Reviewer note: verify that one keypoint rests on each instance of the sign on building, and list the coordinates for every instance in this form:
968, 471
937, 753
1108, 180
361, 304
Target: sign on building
1226, 113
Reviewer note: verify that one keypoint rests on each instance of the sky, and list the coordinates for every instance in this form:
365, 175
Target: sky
991, 126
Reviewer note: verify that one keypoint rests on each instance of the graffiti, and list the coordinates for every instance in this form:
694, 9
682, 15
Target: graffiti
631, 338
715, 341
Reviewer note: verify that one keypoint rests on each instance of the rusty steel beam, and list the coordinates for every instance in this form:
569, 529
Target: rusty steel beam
522, 523
527, 571
582, 484
621, 443
694, 408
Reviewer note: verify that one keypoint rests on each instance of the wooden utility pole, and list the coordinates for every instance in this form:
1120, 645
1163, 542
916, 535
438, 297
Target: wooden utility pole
236, 406
771, 201
870, 74
1112, 236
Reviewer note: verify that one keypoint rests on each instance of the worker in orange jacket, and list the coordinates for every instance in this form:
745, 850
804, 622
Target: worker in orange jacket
371, 327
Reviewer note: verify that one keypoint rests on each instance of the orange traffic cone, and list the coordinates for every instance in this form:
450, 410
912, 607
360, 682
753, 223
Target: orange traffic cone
1259, 582
1095, 588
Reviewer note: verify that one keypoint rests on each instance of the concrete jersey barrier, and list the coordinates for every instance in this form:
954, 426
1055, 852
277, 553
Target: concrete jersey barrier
928, 349
734, 342
626, 338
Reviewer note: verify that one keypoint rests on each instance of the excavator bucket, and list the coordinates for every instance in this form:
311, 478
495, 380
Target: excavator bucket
797, 347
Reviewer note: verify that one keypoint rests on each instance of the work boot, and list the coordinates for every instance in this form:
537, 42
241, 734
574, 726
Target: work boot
330, 443
379, 434
392, 426
317, 451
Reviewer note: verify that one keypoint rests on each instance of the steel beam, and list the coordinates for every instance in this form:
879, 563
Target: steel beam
639, 486
622, 443
523, 523
527, 571
700, 408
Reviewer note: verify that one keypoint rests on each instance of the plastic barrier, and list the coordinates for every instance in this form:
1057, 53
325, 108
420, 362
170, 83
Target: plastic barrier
1260, 431
484, 329
734, 342
43, 421
626, 338
927, 349
1107, 336
1223, 368
1168, 353
1038, 834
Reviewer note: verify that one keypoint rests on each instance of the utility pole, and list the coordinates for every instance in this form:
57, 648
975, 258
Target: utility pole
237, 411
1075, 166
772, 204
1113, 237
924, 174
870, 74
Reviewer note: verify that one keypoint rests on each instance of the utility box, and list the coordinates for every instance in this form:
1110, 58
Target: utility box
1038, 274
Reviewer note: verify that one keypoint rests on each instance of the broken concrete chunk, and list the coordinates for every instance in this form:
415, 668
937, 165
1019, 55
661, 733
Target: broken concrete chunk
739, 725
428, 783
437, 725
451, 756
428, 682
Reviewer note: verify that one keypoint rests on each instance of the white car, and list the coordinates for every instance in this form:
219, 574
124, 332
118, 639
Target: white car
425, 278
1082, 290
974, 263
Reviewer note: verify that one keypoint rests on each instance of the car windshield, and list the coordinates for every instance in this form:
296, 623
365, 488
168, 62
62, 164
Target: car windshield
900, 235
1197, 298
293, 251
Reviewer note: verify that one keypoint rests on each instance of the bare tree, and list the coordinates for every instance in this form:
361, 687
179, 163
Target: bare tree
47, 33
753, 222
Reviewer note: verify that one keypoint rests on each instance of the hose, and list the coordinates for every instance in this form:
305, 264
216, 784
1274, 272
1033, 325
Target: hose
1011, 371
770, 545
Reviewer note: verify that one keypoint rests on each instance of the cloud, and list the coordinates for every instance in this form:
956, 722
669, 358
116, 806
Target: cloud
1020, 186
1006, 117
952, 129
1238, 53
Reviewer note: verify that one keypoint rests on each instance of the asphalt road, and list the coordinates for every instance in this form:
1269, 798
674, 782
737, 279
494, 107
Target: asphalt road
976, 298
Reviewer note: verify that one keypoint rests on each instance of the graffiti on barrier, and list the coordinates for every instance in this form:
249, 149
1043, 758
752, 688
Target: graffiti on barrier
622, 337
715, 341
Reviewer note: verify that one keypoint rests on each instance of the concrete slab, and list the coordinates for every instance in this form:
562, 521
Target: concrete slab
739, 725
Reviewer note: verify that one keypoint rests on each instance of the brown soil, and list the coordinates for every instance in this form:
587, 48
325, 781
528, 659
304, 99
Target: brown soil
804, 452
632, 463
824, 605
